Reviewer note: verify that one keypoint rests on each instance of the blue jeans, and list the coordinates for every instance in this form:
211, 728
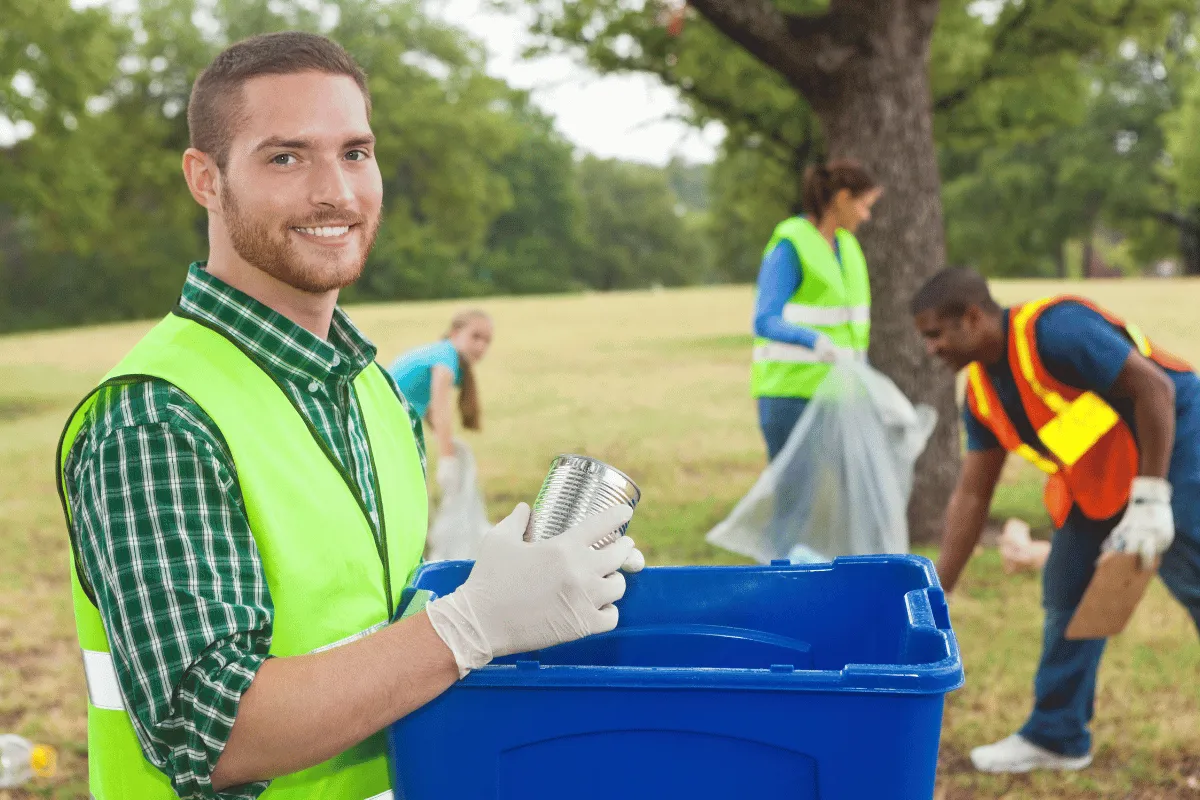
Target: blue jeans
1065, 684
776, 417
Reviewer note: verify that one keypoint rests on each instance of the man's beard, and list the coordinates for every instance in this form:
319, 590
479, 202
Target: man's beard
265, 246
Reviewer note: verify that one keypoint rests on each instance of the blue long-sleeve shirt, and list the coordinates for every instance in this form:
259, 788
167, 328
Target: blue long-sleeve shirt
778, 279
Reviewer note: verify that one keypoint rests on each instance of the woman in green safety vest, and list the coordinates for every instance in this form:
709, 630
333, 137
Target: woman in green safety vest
814, 298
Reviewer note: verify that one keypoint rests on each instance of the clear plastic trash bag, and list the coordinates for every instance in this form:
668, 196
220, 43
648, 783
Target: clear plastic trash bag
461, 517
841, 484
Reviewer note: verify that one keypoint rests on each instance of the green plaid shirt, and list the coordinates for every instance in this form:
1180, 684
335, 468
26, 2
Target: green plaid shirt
163, 536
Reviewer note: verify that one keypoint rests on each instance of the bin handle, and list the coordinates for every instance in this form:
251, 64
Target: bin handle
927, 608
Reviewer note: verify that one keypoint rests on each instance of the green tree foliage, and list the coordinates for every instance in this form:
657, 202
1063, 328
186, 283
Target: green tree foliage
1044, 128
1014, 203
631, 210
533, 246
751, 194
481, 193
690, 183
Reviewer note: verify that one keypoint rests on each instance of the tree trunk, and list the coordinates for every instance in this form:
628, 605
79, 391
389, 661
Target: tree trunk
1188, 224
1060, 261
882, 117
1189, 249
1089, 256
863, 67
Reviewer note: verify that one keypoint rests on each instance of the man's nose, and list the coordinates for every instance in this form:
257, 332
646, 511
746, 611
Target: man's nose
331, 186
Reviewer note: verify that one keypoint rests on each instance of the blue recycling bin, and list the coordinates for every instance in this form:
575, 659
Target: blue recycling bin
788, 682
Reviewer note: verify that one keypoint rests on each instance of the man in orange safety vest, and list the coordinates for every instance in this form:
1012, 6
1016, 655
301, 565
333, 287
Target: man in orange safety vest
1114, 421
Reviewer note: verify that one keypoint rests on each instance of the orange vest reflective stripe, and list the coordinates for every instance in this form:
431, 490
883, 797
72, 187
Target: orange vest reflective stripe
1088, 450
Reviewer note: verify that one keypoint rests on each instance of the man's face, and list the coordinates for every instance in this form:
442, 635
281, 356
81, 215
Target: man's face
301, 191
955, 340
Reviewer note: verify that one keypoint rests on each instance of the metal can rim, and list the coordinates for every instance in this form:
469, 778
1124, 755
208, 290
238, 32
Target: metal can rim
637, 490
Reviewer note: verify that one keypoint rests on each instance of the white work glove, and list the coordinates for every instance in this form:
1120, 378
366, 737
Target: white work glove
524, 596
826, 350
447, 472
1148, 527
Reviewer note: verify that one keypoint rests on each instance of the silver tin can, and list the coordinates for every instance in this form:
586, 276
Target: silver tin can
577, 487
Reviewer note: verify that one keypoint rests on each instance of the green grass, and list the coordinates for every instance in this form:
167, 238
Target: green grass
656, 383
1020, 496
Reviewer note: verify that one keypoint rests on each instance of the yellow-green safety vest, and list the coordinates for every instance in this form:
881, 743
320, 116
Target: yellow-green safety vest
833, 299
329, 579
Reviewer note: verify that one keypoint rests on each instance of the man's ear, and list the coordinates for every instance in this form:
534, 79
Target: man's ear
203, 178
972, 316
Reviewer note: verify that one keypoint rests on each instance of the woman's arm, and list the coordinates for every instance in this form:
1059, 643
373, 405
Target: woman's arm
441, 409
778, 279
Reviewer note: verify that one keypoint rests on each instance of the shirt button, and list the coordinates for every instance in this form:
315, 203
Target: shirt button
314, 386
336, 360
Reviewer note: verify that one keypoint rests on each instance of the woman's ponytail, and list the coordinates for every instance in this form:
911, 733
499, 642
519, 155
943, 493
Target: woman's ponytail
470, 409
822, 182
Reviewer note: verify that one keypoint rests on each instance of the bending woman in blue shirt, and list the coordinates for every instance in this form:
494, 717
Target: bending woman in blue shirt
837, 198
427, 376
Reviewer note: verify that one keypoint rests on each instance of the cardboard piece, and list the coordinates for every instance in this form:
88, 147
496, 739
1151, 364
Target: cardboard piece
1115, 591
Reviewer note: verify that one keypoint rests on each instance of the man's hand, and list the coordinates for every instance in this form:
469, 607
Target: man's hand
524, 596
1148, 527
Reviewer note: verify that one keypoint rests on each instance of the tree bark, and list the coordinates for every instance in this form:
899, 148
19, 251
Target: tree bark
882, 116
863, 68
1188, 224
1189, 248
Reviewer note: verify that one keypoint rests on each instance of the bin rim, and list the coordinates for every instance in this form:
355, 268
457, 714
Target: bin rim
932, 678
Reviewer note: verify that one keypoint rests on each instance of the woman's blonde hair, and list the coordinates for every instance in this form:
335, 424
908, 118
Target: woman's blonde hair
469, 407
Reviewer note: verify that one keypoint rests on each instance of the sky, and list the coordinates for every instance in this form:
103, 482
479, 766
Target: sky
614, 116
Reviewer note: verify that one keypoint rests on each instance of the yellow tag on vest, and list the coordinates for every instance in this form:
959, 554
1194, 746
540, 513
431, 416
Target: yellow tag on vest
1077, 427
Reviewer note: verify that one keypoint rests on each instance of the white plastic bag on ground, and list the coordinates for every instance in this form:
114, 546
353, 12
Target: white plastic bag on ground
461, 517
841, 484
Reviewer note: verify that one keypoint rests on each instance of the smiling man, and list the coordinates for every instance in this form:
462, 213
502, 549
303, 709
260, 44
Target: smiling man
1114, 421
245, 490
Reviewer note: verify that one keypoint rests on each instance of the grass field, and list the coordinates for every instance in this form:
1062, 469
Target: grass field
655, 383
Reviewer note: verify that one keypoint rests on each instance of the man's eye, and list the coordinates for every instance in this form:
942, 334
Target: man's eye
283, 159
357, 155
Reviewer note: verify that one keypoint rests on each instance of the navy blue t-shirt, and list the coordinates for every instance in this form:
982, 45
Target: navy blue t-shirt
1080, 348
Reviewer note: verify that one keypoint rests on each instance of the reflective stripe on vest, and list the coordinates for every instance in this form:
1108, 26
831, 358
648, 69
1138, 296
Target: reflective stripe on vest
326, 591
833, 299
1078, 424
814, 316
793, 353
975, 382
102, 687
1093, 455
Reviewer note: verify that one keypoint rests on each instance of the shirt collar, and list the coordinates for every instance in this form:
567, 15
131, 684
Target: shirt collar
282, 348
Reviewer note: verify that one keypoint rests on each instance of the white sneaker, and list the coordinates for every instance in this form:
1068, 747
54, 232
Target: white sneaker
1016, 754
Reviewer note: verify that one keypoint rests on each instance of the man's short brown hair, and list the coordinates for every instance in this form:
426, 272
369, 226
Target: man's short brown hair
217, 102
